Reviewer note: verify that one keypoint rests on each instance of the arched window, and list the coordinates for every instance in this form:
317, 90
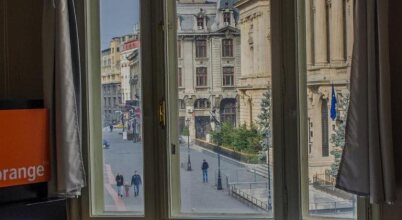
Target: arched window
324, 128
226, 17
200, 22
202, 104
228, 111
182, 104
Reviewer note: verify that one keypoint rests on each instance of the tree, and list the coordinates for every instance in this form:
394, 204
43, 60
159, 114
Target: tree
338, 138
264, 121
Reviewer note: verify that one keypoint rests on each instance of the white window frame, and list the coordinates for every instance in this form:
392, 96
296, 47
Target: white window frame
92, 199
289, 111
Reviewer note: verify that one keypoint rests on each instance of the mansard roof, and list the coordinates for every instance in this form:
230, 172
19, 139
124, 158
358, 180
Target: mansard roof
223, 4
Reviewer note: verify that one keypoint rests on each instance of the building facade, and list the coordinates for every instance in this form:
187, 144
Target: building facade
112, 94
125, 64
329, 49
135, 103
256, 70
208, 64
329, 39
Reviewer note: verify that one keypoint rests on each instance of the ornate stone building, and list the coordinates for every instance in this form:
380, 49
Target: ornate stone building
329, 48
208, 63
126, 68
256, 57
329, 29
111, 80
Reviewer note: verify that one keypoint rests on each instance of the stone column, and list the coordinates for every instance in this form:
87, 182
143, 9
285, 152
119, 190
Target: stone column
320, 32
337, 31
349, 29
309, 48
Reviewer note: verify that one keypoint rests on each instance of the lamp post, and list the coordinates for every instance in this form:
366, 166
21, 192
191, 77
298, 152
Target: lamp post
269, 178
188, 145
218, 132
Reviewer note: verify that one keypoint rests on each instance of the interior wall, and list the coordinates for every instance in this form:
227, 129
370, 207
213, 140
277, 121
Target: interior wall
20, 49
394, 212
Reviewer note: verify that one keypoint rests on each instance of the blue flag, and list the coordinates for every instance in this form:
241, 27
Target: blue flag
333, 104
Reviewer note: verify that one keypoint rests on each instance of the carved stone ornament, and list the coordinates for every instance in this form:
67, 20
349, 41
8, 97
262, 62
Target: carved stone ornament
329, 3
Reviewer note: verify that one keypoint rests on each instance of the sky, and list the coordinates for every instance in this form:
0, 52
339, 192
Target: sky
118, 17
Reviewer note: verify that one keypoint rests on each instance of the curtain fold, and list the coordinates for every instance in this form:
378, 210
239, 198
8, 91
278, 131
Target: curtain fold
367, 165
62, 96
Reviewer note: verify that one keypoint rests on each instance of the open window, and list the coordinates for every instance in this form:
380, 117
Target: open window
214, 123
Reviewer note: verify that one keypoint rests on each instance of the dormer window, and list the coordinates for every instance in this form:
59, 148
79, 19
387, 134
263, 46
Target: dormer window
226, 17
200, 22
200, 19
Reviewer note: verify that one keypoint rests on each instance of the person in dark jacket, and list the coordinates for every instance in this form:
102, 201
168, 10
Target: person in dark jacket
119, 184
204, 169
136, 182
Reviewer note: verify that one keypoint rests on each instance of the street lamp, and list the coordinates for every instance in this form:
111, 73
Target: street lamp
269, 178
218, 132
188, 145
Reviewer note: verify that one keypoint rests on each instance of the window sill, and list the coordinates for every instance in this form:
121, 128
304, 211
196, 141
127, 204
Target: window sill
201, 58
228, 87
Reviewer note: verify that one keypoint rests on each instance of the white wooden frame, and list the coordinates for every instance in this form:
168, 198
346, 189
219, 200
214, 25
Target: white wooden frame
158, 34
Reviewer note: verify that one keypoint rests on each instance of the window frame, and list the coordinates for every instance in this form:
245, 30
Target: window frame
227, 48
201, 76
289, 109
87, 207
226, 17
200, 22
364, 210
201, 50
179, 77
227, 74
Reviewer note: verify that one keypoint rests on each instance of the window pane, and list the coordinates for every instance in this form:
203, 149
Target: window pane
122, 148
328, 50
224, 127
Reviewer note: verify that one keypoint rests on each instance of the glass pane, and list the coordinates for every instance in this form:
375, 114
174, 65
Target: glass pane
329, 50
121, 106
224, 122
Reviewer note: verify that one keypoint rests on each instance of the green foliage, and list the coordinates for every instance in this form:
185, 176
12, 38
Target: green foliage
240, 139
338, 138
264, 121
185, 131
247, 139
227, 134
252, 139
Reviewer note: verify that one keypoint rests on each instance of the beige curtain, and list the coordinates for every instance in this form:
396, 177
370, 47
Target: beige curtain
367, 166
62, 96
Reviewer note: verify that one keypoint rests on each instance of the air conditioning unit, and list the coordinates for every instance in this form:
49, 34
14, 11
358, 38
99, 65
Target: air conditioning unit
200, 28
190, 109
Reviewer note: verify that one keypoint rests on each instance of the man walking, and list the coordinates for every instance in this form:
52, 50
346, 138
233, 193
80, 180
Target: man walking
204, 168
119, 184
136, 182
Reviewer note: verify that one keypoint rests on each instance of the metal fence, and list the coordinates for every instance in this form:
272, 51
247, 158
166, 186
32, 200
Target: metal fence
247, 198
243, 191
333, 208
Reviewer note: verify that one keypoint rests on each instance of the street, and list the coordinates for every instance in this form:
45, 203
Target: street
125, 157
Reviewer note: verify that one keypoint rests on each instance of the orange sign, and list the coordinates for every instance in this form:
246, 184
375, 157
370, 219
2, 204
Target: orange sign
24, 147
